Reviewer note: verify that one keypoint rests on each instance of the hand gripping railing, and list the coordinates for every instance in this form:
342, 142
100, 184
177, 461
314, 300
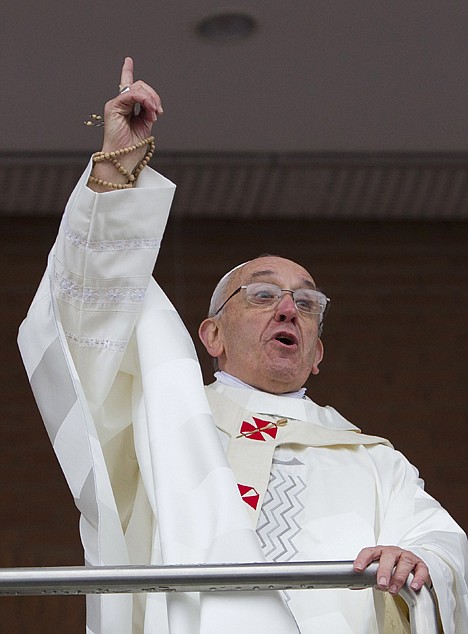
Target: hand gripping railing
210, 578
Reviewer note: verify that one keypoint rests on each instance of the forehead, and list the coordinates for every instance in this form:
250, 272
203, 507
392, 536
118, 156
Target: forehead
274, 269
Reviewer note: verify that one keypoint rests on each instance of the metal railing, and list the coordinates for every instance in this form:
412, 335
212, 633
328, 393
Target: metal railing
212, 578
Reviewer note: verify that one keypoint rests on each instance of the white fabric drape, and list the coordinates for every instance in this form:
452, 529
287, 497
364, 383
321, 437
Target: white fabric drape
118, 384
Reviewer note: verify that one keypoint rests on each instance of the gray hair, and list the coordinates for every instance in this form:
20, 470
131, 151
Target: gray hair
218, 297
221, 289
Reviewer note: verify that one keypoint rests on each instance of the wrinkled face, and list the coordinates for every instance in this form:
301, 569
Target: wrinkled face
273, 348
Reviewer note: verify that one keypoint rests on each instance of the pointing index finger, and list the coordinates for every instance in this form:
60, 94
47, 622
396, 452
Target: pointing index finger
126, 77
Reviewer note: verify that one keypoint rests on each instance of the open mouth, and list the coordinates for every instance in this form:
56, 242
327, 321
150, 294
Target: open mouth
285, 339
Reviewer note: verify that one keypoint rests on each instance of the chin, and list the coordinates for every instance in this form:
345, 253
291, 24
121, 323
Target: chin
283, 380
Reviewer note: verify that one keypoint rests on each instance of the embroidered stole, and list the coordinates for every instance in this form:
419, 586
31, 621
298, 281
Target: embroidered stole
254, 437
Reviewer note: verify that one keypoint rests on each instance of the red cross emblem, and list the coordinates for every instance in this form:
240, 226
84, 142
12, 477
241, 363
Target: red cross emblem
257, 429
249, 495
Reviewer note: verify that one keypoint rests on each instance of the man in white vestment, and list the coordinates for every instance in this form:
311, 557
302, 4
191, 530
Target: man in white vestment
246, 469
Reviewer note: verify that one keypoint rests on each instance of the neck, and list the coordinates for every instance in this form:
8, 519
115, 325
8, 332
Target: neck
234, 381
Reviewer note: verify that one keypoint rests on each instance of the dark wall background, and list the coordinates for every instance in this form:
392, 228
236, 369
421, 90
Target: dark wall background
395, 365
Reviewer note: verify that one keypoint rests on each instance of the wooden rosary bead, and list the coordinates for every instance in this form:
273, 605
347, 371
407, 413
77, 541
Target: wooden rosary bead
112, 157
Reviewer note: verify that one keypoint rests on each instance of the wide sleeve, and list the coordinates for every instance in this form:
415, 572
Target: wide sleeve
414, 520
78, 343
100, 269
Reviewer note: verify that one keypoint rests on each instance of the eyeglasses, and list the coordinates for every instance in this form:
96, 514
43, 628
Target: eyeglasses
306, 300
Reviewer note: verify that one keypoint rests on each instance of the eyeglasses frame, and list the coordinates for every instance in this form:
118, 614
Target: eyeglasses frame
283, 290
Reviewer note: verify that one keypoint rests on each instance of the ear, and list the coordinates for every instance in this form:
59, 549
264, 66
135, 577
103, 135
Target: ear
210, 336
318, 357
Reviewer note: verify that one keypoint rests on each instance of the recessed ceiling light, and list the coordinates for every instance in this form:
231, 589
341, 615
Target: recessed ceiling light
226, 26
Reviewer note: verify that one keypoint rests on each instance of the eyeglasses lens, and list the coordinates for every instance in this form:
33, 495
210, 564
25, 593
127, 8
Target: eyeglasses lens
307, 300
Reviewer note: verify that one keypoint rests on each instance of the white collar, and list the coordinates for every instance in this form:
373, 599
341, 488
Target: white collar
228, 379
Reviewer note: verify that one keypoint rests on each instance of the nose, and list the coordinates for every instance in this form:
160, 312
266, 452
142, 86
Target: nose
286, 308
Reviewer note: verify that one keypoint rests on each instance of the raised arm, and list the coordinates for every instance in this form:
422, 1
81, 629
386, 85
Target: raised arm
109, 240
128, 121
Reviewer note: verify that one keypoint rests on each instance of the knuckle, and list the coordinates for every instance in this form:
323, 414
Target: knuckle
408, 559
399, 578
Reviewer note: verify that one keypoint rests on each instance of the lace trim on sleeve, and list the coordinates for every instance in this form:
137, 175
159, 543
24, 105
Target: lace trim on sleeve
93, 295
96, 342
109, 245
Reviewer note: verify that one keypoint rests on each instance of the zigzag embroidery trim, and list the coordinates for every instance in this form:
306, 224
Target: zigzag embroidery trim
109, 245
278, 517
96, 342
92, 295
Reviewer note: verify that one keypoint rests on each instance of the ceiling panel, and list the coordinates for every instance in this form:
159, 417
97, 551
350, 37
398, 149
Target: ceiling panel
338, 186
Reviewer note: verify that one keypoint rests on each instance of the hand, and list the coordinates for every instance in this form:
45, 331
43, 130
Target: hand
128, 119
123, 126
395, 565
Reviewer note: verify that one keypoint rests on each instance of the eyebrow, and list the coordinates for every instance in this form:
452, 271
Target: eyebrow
306, 282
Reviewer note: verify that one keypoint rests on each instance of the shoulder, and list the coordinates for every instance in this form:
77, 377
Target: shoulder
391, 463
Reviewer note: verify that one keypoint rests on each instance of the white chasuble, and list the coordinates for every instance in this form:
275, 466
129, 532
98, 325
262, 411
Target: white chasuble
119, 386
104, 350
